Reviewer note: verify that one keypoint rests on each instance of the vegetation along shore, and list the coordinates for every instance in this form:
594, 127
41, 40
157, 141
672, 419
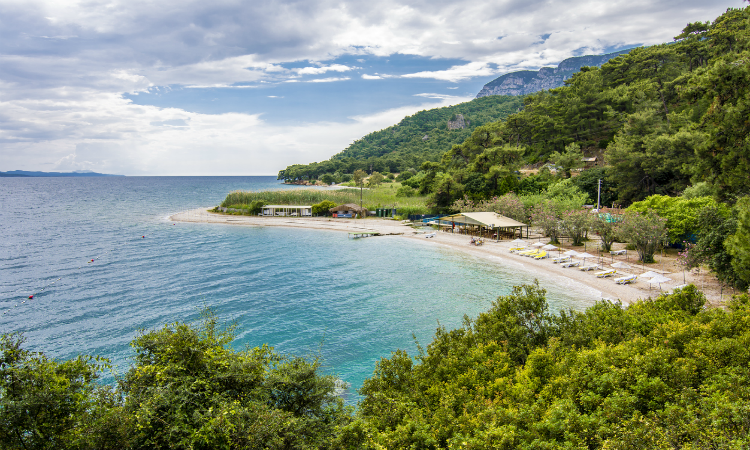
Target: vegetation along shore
658, 137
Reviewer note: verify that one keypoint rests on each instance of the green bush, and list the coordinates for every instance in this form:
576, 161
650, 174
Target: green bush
322, 208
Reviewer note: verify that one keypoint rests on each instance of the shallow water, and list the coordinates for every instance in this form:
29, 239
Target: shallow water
306, 292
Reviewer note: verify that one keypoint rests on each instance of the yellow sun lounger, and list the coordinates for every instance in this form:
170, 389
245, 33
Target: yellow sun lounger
626, 279
540, 255
517, 249
529, 253
606, 273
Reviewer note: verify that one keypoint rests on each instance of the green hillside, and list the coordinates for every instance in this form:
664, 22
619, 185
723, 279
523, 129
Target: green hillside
422, 137
663, 118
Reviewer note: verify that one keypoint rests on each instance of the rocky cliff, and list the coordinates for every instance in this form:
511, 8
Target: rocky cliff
529, 81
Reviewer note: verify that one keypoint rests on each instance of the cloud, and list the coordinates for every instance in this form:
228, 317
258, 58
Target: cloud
328, 80
64, 67
145, 140
322, 69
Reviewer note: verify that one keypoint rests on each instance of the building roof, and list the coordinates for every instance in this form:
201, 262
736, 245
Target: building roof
484, 219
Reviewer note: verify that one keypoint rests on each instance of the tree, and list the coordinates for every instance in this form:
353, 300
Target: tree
646, 231
45, 404
681, 213
327, 178
544, 216
738, 245
322, 208
576, 223
375, 179
571, 159
605, 225
715, 227
189, 390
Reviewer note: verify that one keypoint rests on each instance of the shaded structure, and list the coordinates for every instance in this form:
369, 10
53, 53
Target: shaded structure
487, 224
287, 210
348, 210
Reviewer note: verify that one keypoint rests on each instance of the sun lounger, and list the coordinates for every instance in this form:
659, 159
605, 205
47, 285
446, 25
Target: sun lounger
517, 249
561, 259
529, 252
605, 273
571, 264
587, 268
626, 279
541, 255
677, 288
618, 252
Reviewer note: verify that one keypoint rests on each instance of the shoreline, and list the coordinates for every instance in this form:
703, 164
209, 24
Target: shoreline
491, 251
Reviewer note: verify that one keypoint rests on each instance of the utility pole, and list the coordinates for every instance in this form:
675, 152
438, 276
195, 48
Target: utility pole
599, 195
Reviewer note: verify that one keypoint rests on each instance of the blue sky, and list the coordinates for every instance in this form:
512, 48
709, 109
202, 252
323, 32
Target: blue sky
245, 88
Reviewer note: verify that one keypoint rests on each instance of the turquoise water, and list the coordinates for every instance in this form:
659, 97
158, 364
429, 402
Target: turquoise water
301, 291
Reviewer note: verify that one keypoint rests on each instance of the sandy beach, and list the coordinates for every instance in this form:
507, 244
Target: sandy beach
491, 251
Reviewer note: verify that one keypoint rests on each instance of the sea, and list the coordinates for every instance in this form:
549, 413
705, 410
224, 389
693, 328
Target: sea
103, 262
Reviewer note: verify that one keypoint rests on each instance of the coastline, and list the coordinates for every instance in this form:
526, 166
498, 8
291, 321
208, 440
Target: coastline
491, 251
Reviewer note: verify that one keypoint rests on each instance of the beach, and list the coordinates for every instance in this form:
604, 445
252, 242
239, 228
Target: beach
492, 251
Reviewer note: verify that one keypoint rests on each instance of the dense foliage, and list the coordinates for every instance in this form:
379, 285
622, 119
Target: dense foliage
662, 373
187, 390
425, 136
663, 117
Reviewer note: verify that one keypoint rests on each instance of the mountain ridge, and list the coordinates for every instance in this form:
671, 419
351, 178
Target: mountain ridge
525, 82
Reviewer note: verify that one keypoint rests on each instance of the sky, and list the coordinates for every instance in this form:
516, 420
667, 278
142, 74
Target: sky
228, 87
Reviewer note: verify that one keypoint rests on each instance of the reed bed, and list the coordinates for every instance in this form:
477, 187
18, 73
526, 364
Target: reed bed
383, 196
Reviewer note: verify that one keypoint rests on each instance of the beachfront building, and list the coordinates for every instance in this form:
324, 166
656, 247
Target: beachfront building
348, 210
487, 224
287, 210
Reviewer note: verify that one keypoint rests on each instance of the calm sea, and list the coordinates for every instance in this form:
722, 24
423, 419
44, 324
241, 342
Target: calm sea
304, 292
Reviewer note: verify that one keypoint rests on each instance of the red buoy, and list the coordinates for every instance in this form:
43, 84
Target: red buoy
144, 237
30, 297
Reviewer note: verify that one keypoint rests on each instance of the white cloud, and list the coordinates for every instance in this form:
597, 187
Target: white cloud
145, 140
64, 67
322, 69
328, 80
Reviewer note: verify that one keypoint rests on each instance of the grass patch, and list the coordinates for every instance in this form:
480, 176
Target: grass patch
383, 196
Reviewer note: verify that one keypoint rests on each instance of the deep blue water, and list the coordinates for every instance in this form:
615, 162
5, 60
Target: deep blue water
305, 292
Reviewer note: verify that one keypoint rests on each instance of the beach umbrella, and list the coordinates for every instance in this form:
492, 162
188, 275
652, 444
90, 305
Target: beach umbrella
549, 247
620, 265
658, 280
571, 253
649, 274
585, 255
538, 244
518, 242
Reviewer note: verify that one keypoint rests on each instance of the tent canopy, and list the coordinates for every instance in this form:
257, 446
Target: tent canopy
484, 219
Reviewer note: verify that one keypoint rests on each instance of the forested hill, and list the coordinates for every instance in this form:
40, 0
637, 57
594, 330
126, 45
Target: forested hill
424, 136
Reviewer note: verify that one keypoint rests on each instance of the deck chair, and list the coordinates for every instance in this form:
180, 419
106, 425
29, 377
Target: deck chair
626, 279
571, 264
529, 252
606, 273
541, 255
517, 249
587, 268
561, 259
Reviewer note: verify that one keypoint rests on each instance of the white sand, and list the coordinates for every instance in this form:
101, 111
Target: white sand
490, 250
